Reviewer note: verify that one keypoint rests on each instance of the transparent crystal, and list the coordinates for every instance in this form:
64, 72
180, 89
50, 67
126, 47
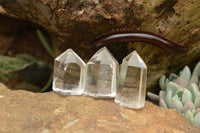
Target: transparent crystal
131, 91
101, 75
68, 74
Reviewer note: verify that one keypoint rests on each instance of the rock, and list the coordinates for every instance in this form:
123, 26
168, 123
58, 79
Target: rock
23, 111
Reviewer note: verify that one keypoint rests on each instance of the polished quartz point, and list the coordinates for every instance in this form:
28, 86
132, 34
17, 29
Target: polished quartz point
101, 75
131, 91
68, 74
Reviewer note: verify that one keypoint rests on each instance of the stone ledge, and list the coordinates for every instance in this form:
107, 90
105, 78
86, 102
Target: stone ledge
27, 112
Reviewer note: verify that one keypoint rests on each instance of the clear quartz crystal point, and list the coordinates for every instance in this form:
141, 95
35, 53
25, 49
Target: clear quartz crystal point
101, 75
131, 91
68, 74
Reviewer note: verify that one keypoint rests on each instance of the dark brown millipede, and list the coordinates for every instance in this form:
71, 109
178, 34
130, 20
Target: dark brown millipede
138, 36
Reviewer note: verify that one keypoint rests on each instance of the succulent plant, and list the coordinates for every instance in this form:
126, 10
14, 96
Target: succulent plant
181, 92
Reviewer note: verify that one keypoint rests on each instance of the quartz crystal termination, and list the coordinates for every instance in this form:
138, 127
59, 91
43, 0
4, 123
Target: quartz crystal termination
68, 74
101, 75
131, 91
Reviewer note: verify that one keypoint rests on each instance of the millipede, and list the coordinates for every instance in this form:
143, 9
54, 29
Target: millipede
121, 35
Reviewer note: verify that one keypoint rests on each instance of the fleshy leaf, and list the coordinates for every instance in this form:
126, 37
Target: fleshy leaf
172, 76
181, 81
194, 90
153, 97
162, 95
173, 87
195, 74
176, 104
179, 93
176, 96
162, 82
196, 69
197, 101
187, 96
168, 98
186, 73
198, 110
189, 116
194, 79
197, 119
188, 106
162, 103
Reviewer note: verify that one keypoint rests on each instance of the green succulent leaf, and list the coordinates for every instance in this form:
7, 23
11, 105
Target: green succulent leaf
186, 73
198, 110
194, 112
168, 98
153, 97
196, 69
162, 82
194, 90
189, 116
176, 104
197, 101
173, 87
172, 76
187, 96
188, 106
162, 103
195, 74
176, 96
179, 93
197, 119
162, 95
194, 79
181, 81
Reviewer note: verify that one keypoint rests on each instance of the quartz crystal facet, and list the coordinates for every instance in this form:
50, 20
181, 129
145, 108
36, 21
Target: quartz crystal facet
68, 74
101, 75
131, 91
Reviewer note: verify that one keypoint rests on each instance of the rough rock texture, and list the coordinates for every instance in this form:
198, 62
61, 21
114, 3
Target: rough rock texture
27, 112
76, 23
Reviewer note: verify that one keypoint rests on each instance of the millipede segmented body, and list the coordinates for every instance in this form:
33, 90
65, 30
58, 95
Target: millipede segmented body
138, 36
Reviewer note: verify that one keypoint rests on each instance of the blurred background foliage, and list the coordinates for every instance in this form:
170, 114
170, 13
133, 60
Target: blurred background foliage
25, 55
